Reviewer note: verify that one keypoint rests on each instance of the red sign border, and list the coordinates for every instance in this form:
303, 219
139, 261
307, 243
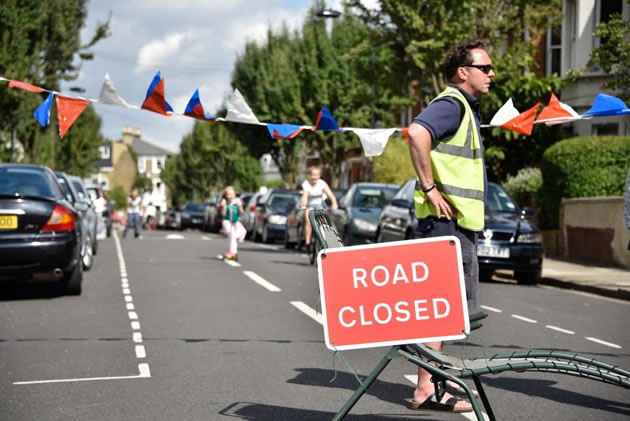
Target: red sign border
462, 283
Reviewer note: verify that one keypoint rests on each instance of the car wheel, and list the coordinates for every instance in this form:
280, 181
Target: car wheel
71, 285
94, 245
265, 234
256, 235
409, 234
87, 256
528, 277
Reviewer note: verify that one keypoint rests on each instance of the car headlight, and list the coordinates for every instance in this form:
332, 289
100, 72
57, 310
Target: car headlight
277, 219
530, 237
364, 225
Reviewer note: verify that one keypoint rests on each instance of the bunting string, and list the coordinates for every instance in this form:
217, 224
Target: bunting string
373, 141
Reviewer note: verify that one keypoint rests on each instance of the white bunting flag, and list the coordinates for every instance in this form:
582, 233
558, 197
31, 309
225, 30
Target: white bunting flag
506, 113
110, 96
373, 140
238, 110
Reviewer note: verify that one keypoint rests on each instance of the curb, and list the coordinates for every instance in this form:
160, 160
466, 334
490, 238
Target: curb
606, 292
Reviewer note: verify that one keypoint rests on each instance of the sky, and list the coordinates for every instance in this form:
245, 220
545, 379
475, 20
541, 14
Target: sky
193, 43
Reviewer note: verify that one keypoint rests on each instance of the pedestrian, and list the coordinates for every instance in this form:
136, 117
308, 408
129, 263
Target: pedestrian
134, 214
447, 154
313, 191
231, 211
149, 216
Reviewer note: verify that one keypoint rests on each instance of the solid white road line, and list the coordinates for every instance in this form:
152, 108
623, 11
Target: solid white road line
142, 368
310, 312
496, 310
525, 319
559, 329
599, 341
261, 281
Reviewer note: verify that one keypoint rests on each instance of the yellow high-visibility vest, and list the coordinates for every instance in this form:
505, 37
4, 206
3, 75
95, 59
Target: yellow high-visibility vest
457, 166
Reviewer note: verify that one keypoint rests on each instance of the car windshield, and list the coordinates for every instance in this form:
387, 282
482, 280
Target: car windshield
282, 202
373, 197
499, 201
25, 182
194, 207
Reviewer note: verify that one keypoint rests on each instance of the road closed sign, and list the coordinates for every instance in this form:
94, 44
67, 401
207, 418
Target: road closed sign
393, 293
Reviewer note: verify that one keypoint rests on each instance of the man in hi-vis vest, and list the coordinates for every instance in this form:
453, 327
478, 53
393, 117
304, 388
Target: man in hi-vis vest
447, 154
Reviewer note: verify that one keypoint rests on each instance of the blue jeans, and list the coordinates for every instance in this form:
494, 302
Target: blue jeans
433, 227
133, 220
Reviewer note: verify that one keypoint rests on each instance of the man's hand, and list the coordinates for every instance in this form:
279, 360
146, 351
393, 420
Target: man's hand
441, 205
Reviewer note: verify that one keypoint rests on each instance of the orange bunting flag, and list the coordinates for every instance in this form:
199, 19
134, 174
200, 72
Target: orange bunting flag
24, 85
68, 109
405, 132
524, 122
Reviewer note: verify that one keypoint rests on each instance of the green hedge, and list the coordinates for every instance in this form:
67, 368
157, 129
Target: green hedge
582, 167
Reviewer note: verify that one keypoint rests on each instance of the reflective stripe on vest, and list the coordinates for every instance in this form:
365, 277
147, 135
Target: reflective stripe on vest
457, 167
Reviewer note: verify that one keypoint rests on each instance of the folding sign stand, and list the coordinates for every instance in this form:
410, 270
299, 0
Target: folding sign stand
442, 366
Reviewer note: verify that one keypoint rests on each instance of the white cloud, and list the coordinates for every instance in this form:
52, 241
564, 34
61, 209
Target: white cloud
158, 51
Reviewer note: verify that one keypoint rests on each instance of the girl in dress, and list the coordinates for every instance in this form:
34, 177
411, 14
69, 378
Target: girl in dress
231, 210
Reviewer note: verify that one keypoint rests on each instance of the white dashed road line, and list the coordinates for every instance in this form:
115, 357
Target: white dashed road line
525, 319
559, 329
310, 312
496, 310
599, 341
261, 281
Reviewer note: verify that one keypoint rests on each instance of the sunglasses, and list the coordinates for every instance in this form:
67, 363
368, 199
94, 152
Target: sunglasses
486, 68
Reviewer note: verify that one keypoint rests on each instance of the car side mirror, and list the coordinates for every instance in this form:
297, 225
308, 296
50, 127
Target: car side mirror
528, 212
402, 203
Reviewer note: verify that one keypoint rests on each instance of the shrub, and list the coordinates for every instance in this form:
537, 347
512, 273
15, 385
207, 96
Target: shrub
119, 196
588, 166
524, 186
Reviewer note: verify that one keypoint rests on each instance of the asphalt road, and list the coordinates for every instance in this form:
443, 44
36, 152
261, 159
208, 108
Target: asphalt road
165, 330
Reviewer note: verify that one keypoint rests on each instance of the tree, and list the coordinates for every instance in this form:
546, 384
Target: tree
39, 44
394, 165
613, 55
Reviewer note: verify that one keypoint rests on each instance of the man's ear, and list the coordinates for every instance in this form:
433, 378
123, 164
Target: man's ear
461, 74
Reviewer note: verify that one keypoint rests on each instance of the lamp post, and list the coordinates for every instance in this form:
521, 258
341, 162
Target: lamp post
333, 14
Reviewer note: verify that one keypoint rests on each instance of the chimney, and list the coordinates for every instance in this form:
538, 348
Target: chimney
130, 134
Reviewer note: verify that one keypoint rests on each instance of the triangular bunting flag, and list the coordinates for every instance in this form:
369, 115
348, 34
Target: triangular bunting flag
42, 113
556, 112
23, 85
238, 110
155, 100
506, 113
325, 121
607, 105
405, 133
194, 109
524, 122
109, 95
68, 109
287, 131
374, 140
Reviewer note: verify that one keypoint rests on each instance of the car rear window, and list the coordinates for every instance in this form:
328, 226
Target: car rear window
24, 181
372, 197
282, 202
194, 207
79, 189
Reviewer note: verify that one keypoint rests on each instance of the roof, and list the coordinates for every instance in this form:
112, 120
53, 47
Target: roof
144, 148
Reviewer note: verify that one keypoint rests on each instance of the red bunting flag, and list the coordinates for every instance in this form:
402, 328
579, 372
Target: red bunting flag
524, 122
24, 85
553, 110
156, 100
68, 109
405, 132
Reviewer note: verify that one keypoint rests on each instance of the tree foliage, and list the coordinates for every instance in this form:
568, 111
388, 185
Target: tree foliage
394, 165
40, 44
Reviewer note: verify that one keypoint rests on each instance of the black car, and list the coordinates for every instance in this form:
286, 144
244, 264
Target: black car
270, 220
398, 220
359, 209
192, 216
509, 239
212, 213
39, 229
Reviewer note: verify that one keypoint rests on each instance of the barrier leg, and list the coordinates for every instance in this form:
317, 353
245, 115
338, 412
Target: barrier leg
392, 353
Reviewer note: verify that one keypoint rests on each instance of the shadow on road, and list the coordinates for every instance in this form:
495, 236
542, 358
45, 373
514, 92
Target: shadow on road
29, 292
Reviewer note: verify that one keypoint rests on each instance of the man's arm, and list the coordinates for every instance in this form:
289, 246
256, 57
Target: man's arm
420, 149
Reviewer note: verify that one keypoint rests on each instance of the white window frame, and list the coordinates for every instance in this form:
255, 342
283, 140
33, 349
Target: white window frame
158, 164
550, 48
142, 165
105, 151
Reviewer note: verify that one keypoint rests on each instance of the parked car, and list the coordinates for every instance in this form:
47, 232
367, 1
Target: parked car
91, 215
356, 218
97, 195
509, 239
170, 219
192, 216
39, 229
398, 219
272, 208
87, 252
249, 217
212, 214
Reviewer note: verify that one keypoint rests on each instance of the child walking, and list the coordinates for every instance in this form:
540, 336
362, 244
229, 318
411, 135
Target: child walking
231, 210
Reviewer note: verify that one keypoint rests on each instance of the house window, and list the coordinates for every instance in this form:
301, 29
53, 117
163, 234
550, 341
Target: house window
157, 165
605, 129
104, 151
554, 50
605, 9
142, 165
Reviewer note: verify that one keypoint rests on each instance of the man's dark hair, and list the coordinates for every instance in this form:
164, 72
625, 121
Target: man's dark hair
459, 56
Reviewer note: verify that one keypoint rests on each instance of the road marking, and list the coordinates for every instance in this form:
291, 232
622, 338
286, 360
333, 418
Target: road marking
496, 310
261, 281
599, 341
525, 319
135, 325
310, 312
133, 315
174, 237
559, 329
126, 291
143, 368
130, 306
137, 337
203, 237
228, 261
140, 351
128, 298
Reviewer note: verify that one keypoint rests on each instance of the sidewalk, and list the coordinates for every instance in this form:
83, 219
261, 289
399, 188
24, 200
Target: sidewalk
606, 281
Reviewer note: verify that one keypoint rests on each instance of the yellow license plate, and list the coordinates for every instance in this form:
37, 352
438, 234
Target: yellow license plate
8, 222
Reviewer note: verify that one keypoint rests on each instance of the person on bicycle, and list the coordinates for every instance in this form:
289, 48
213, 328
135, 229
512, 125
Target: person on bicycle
313, 191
